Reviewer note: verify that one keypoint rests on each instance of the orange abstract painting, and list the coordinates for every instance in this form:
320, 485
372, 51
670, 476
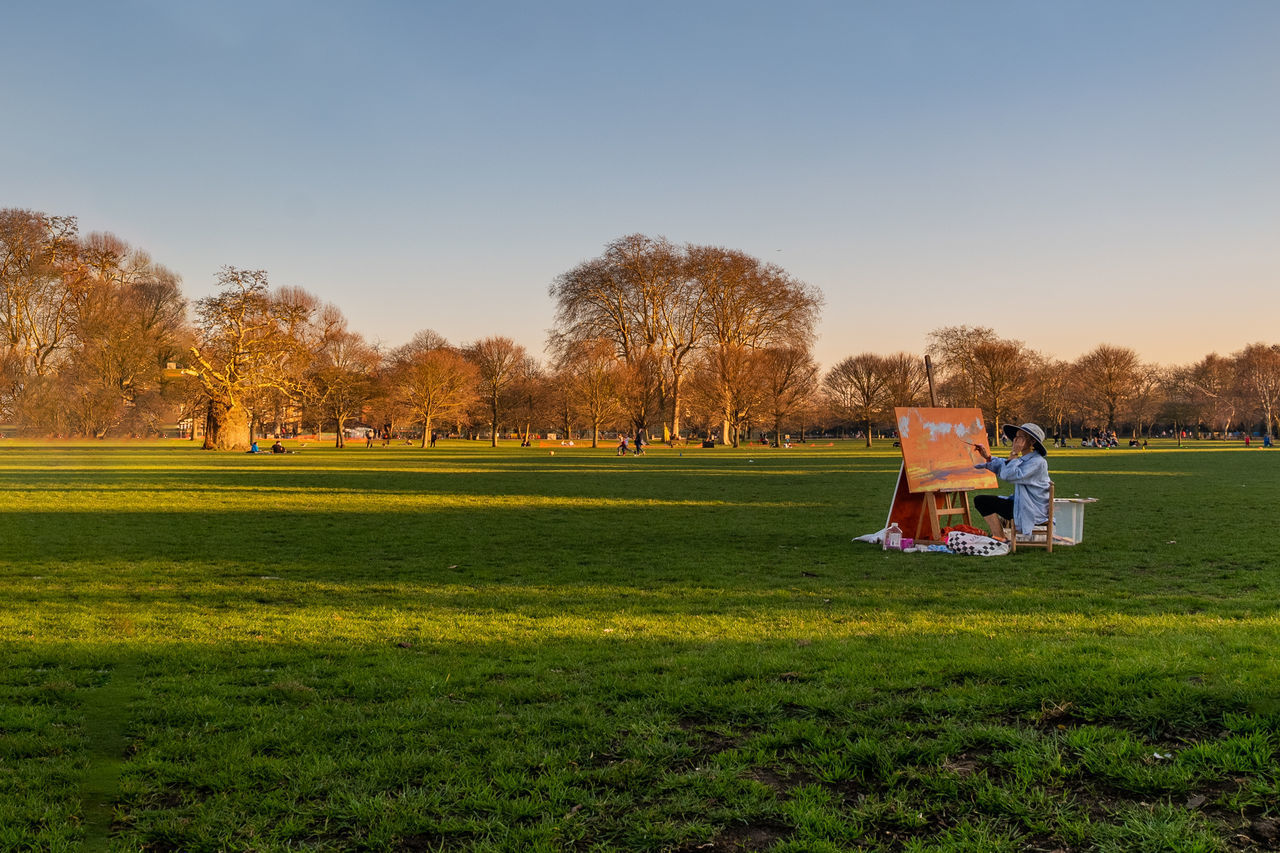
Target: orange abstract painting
938, 449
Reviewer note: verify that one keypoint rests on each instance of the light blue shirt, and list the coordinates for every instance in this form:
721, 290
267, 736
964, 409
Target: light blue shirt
1029, 474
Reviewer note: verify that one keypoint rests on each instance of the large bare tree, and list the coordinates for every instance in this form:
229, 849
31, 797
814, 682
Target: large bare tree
979, 368
247, 341
1108, 377
668, 306
855, 389
498, 362
343, 372
951, 349
746, 305
905, 380
1147, 398
626, 297
1183, 403
531, 397
1258, 373
593, 376
1053, 396
1002, 373
38, 264
129, 322
788, 377
434, 381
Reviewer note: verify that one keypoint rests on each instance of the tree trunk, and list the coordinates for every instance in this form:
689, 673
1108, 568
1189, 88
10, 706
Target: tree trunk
675, 408
426, 430
226, 427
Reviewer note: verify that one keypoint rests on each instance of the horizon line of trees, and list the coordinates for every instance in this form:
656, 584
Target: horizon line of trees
651, 338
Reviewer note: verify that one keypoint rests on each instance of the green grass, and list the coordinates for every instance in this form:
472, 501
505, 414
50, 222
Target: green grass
476, 649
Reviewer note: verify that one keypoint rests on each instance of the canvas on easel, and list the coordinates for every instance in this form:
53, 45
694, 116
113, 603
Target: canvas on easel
938, 472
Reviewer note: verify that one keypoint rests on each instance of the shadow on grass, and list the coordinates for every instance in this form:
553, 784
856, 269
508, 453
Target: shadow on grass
384, 746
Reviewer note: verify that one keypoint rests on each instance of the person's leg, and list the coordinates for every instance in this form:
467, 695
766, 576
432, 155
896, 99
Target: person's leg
995, 510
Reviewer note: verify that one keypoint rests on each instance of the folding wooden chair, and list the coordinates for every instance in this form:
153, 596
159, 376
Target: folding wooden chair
1041, 535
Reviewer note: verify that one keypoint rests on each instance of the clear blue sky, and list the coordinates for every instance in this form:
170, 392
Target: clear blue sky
1069, 173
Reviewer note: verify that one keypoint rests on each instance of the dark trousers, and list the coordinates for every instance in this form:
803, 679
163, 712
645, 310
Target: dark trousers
994, 504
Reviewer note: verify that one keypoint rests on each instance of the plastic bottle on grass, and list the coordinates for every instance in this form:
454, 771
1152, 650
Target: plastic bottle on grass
893, 537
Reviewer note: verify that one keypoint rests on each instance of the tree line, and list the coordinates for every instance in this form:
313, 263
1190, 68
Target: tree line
655, 339
1108, 389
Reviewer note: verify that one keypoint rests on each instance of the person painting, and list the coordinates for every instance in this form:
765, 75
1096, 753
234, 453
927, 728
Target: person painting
1028, 470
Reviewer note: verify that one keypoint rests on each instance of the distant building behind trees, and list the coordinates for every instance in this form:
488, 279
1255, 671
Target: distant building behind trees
656, 339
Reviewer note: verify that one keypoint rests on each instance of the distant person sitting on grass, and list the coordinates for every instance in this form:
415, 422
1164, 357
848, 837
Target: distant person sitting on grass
1028, 470
278, 448
253, 446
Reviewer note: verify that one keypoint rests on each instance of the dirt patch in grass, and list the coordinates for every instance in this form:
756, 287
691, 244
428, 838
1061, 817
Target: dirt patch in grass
751, 836
780, 779
420, 843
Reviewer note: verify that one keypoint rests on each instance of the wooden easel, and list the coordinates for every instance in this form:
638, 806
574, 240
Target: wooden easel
936, 477
923, 515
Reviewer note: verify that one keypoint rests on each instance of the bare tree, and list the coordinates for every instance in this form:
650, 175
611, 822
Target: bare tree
498, 361
128, 323
1147, 398
638, 392
628, 297
1108, 377
246, 342
1053, 395
1182, 402
434, 380
656, 303
342, 372
38, 263
979, 368
952, 351
1258, 371
746, 305
855, 389
788, 377
729, 382
530, 396
1002, 370
1214, 380
905, 380
594, 377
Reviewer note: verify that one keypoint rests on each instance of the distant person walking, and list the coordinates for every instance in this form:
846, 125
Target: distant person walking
622, 446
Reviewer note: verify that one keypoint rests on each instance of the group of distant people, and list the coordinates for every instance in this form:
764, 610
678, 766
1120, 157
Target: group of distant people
275, 448
1103, 439
624, 444
370, 435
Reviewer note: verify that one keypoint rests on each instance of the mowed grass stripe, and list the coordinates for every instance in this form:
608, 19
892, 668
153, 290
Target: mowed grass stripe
107, 714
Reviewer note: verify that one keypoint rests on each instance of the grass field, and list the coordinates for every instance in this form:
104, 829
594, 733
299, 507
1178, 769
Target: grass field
476, 649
